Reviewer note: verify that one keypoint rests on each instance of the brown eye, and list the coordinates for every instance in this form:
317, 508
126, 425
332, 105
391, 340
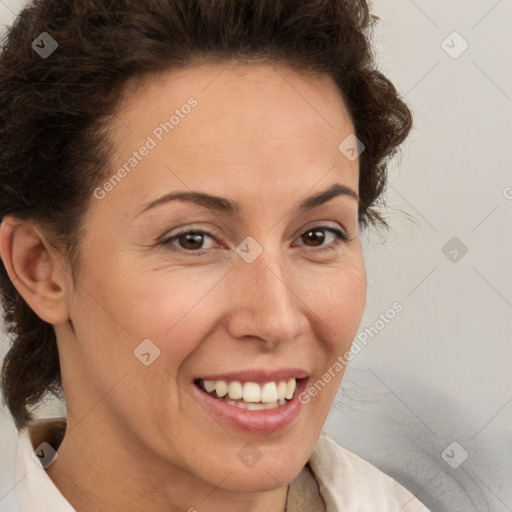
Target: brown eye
189, 241
316, 237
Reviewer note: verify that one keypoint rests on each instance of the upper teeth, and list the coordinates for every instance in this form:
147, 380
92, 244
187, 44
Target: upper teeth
252, 391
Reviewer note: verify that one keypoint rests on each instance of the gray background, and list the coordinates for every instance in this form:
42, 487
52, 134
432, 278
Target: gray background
439, 372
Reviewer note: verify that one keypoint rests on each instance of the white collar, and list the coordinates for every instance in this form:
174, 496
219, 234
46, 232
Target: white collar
36, 490
349, 483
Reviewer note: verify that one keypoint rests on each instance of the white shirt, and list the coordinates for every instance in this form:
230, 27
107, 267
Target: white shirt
337, 477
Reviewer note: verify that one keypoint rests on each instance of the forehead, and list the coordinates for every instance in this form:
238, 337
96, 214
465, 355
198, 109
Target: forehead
216, 125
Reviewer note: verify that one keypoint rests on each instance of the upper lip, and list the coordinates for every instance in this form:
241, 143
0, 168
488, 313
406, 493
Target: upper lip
258, 375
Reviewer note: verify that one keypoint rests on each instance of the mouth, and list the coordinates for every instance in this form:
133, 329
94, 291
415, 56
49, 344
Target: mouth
253, 402
252, 396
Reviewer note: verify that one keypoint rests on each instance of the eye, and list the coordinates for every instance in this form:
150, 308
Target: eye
316, 237
190, 241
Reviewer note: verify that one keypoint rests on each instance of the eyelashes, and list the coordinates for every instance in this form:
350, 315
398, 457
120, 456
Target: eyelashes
195, 236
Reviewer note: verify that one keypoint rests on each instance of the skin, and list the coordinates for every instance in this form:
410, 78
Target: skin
267, 137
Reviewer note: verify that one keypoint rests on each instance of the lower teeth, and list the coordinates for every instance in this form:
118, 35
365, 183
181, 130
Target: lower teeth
254, 406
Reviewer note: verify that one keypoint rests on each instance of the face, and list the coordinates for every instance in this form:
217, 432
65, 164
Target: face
235, 295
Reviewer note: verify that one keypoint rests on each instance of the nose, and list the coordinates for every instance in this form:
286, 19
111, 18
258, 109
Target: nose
264, 301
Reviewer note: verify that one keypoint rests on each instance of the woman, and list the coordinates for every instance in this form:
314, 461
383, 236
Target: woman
183, 188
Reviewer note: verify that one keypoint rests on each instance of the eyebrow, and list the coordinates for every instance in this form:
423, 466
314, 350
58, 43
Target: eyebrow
228, 206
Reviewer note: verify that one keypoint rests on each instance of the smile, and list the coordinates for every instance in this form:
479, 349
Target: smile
253, 401
250, 395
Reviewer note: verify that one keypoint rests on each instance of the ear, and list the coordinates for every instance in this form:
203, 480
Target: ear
35, 269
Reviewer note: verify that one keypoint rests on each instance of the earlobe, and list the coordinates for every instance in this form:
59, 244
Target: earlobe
34, 269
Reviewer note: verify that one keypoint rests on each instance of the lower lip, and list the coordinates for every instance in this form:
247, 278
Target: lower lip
264, 421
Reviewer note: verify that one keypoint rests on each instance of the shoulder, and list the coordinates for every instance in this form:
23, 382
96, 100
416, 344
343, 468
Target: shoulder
349, 483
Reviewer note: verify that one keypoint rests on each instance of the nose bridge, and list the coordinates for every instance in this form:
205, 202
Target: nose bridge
264, 304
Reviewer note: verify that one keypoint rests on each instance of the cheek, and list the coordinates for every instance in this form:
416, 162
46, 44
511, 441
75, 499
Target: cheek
170, 308
338, 300
166, 306
115, 311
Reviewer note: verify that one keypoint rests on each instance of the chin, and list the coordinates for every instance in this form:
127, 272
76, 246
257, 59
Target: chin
271, 466
261, 479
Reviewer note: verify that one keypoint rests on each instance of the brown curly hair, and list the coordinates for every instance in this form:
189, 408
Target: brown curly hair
54, 112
